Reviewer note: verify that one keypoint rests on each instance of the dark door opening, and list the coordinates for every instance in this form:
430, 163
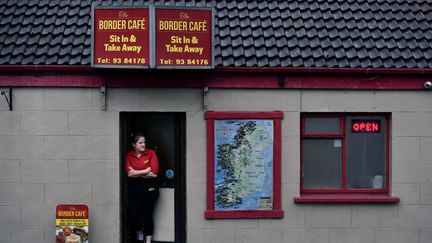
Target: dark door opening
165, 133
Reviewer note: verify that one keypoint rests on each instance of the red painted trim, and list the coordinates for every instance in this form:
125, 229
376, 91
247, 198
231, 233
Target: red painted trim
277, 180
210, 164
243, 214
388, 169
244, 115
315, 81
303, 70
51, 80
45, 68
277, 211
343, 151
323, 70
346, 198
344, 189
199, 79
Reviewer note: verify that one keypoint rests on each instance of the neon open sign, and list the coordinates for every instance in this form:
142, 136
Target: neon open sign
365, 126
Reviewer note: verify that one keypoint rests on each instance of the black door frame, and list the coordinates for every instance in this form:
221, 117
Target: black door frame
180, 169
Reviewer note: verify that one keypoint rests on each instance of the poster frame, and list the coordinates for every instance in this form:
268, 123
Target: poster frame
276, 211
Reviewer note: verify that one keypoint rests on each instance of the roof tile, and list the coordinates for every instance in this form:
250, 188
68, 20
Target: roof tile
345, 33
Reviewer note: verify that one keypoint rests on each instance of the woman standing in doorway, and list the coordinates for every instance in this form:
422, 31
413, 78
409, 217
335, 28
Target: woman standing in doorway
142, 168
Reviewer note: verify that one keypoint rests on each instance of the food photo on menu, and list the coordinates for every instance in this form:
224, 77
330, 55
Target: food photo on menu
72, 234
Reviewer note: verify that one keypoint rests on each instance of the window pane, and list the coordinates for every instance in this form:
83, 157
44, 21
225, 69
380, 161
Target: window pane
322, 163
366, 151
322, 125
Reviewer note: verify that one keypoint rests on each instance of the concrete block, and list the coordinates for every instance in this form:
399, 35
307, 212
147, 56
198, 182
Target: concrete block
27, 99
96, 98
409, 194
196, 195
289, 191
71, 193
105, 147
93, 170
425, 235
43, 122
93, 123
412, 172
291, 148
305, 235
291, 100
294, 218
426, 148
44, 171
291, 124
3, 104
67, 147
211, 235
406, 148
196, 149
10, 171
164, 99
259, 235
292, 171
336, 101
351, 235
425, 101
104, 235
396, 235
398, 101
9, 217
328, 216
107, 194
246, 100
197, 168
195, 218
22, 236
123, 100
104, 217
9, 122
8, 150
366, 216
195, 100
426, 193
21, 194
354, 101
415, 216
412, 124
68, 99
21, 147
235, 224
196, 125
38, 217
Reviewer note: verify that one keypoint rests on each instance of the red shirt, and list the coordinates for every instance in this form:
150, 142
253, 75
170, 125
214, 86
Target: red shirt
147, 159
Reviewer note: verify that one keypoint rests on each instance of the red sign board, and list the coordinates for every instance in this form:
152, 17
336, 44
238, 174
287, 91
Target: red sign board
121, 37
365, 126
72, 223
184, 38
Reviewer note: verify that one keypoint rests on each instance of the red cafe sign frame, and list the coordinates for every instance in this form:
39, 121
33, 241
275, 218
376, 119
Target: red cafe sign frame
184, 37
152, 37
120, 37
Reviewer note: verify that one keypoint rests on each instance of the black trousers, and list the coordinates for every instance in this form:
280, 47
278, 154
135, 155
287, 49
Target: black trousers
141, 206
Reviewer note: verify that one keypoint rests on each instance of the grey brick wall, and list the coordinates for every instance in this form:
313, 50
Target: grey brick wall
58, 147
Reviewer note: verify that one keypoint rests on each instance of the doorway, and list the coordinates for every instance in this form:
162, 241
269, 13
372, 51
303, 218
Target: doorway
165, 133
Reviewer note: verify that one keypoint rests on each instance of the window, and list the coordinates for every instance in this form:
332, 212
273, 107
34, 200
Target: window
243, 165
344, 158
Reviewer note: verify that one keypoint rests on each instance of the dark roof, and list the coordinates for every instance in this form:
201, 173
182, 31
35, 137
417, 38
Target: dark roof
313, 33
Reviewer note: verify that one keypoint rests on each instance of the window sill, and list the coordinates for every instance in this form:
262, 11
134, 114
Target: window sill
243, 214
345, 198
